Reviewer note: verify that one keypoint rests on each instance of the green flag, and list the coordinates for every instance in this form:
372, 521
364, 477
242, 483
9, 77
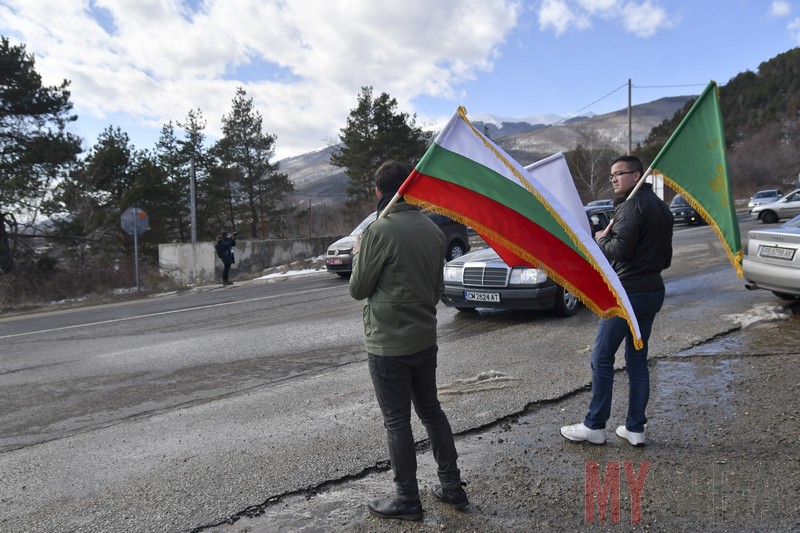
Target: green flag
693, 163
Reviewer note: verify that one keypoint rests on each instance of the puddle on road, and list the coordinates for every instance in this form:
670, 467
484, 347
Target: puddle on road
708, 385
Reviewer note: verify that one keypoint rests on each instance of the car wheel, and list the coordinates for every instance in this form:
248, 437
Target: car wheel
566, 303
769, 217
466, 309
456, 250
344, 274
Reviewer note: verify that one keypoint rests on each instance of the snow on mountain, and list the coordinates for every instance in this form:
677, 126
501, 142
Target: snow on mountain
499, 121
527, 139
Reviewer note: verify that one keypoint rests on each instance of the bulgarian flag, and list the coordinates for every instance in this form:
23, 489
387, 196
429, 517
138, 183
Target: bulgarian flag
553, 173
468, 178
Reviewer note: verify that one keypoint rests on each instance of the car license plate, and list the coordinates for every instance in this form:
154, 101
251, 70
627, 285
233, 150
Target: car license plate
482, 296
776, 252
335, 261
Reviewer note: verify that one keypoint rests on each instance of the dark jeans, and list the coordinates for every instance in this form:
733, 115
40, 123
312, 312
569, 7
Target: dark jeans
610, 334
400, 381
226, 269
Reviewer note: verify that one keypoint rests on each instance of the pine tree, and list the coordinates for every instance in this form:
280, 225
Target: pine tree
255, 192
376, 132
35, 148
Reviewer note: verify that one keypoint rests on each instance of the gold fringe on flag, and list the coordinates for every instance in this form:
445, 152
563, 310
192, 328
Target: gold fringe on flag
735, 259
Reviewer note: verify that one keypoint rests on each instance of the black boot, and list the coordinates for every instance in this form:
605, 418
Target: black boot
394, 507
455, 496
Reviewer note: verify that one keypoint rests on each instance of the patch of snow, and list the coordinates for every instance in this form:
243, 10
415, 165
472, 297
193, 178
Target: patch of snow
760, 314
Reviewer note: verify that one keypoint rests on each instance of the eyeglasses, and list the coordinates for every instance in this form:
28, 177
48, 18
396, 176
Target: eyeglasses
618, 174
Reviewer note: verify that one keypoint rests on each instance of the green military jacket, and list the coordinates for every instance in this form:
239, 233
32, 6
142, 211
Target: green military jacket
399, 270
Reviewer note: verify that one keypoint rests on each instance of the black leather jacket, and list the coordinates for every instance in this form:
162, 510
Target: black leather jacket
639, 245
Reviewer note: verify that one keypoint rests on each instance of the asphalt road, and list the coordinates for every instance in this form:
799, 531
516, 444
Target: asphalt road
179, 412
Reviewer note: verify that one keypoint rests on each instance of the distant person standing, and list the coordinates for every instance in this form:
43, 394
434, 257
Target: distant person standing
224, 247
638, 244
398, 269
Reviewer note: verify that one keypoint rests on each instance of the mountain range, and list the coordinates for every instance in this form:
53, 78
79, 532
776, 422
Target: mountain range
526, 139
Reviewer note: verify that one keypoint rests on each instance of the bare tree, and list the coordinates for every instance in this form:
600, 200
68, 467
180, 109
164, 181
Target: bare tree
589, 162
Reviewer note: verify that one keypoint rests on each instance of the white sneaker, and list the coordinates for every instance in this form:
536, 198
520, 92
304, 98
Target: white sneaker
580, 433
636, 439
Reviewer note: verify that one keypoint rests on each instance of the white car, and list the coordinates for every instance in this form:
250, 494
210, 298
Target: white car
764, 197
339, 257
772, 260
786, 207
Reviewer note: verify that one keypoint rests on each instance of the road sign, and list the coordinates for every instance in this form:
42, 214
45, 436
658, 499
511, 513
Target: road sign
134, 220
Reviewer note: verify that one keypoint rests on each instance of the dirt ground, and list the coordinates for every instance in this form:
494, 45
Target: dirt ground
721, 456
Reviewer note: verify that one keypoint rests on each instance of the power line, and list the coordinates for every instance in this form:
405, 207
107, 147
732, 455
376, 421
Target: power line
556, 123
624, 85
590, 105
669, 86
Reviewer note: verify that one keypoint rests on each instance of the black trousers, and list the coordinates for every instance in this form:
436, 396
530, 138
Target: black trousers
399, 382
226, 269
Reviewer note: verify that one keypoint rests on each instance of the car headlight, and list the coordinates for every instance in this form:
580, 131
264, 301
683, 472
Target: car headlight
454, 273
527, 276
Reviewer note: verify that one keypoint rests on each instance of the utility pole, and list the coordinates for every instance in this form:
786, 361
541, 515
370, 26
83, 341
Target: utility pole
192, 202
630, 148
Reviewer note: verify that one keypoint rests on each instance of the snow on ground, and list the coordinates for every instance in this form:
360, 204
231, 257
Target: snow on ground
296, 269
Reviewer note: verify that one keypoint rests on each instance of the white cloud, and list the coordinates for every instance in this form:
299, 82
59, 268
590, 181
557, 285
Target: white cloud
794, 30
779, 8
303, 62
642, 19
560, 16
598, 6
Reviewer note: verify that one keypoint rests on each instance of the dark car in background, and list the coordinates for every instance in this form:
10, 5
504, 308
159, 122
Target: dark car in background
339, 257
604, 202
481, 279
683, 212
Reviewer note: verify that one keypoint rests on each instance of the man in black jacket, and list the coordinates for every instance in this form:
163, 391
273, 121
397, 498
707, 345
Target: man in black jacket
224, 247
638, 244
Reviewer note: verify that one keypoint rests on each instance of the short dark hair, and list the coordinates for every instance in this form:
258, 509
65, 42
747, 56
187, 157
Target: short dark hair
633, 162
390, 176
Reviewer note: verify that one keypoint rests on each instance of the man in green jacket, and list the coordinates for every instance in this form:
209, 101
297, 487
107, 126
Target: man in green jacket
398, 268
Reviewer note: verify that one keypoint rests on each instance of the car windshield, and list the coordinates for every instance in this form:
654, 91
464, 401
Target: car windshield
793, 223
678, 201
364, 223
792, 197
765, 194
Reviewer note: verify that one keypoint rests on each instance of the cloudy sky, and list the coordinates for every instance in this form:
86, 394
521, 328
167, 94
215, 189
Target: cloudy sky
138, 64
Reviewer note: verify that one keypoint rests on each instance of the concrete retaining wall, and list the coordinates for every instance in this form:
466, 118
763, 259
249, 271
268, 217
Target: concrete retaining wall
194, 263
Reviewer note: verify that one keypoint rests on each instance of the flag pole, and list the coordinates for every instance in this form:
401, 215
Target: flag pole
391, 203
647, 174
